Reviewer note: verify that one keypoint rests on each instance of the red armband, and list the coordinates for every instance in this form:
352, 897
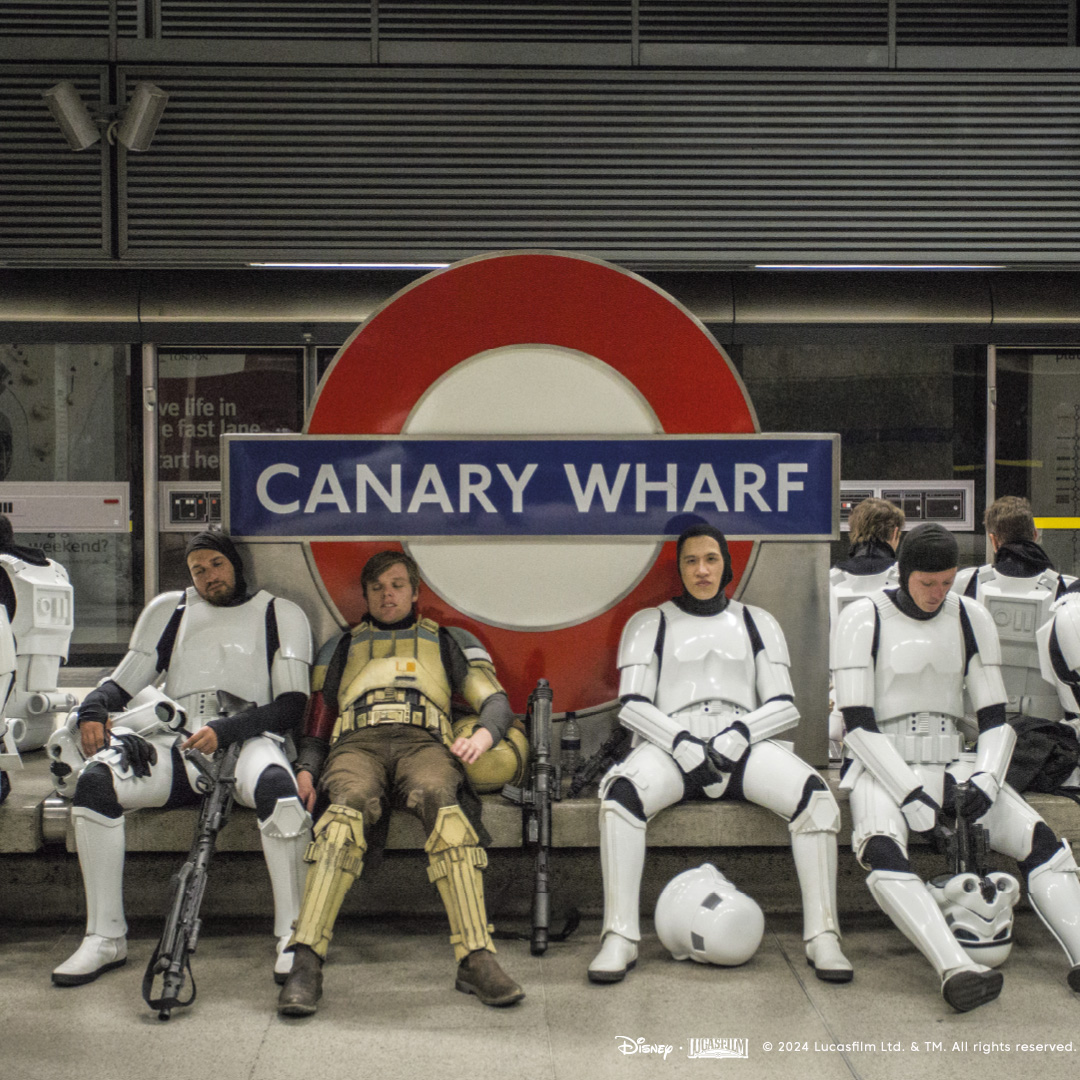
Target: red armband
319, 718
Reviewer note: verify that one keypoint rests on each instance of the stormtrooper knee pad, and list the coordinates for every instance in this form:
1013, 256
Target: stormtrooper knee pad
456, 860
337, 858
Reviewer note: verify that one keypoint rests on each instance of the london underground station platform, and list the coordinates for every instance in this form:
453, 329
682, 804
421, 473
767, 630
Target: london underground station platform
390, 1009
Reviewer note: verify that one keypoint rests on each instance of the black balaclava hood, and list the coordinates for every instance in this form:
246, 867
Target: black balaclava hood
215, 541
868, 557
34, 556
1021, 558
714, 605
930, 549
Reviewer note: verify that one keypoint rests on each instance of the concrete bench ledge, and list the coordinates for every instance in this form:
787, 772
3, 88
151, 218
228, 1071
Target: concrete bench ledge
574, 822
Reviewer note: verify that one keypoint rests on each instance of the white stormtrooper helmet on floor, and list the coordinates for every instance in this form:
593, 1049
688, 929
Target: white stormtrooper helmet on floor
701, 916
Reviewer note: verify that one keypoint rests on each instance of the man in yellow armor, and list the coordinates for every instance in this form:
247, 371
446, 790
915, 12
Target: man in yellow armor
377, 733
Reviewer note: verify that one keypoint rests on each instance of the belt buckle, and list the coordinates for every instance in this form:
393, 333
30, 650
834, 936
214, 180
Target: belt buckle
381, 714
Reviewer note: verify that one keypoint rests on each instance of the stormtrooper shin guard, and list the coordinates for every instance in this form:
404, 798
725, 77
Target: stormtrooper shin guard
1054, 891
813, 847
622, 860
915, 913
285, 835
100, 841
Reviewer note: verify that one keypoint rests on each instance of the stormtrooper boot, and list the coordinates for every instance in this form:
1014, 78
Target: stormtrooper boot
100, 841
813, 847
1054, 892
905, 899
622, 859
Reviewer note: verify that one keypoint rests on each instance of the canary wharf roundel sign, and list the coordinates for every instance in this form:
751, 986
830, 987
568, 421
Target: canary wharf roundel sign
534, 428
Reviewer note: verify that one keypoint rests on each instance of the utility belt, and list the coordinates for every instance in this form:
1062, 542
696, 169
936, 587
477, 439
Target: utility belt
924, 738
392, 705
704, 719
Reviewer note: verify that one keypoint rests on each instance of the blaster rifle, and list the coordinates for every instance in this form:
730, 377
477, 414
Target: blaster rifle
591, 769
172, 954
535, 802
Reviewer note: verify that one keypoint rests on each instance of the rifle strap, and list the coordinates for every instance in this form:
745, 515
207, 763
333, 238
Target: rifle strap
148, 984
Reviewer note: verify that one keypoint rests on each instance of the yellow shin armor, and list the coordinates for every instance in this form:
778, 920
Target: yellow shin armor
337, 857
456, 862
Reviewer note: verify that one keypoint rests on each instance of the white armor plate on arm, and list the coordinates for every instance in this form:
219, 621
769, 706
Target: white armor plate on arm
851, 655
645, 719
772, 637
291, 667
139, 667
986, 635
772, 719
963, 578
984, 684
1064, 623
993, 752
638, 662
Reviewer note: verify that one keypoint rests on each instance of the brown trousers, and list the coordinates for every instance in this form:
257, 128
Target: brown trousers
387, 765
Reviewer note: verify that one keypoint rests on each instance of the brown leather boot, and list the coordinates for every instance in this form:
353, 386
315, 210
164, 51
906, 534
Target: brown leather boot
479, 973
303, 988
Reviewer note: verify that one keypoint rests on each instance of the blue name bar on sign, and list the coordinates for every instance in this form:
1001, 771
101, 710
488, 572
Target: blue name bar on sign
351, 487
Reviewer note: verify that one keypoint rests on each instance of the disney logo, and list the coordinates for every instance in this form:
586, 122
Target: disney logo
626, 1045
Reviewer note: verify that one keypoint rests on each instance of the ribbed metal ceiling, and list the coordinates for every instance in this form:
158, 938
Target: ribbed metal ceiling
696, 168
826, 22
504, 20
53, 200
983, 22
348, 20
69, 18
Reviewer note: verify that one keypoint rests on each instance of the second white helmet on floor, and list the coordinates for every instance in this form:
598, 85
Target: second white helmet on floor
702, 916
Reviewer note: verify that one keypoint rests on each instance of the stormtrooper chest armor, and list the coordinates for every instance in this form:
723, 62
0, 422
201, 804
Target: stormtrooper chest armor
219, 648
705, 658
920, 662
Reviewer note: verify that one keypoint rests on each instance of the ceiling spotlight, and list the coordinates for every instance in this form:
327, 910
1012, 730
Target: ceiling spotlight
79, 127
142, 116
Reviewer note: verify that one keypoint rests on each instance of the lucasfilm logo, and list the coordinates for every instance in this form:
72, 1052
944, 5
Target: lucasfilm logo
718, 1048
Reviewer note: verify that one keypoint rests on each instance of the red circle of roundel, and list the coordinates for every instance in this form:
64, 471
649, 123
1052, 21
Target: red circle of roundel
527, 298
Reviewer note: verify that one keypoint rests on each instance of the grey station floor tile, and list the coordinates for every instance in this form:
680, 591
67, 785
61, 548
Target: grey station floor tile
390, 1010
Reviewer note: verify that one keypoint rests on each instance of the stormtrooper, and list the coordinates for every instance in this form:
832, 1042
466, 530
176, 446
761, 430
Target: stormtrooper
1018, 589
705, 687
213, 636
38, 599
874, 531
9, 756
902, 660
1058, 642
